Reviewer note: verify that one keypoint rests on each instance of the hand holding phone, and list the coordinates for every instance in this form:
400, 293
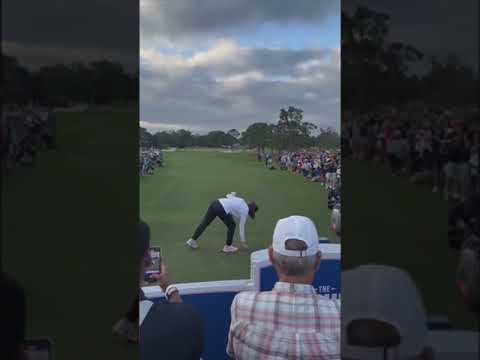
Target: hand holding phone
155, 266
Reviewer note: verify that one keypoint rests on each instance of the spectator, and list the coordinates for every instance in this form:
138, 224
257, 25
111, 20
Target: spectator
434, 147
23, 134
474, 161
149, 160
468, 276
382, 311
291, 321
127, 326
172, 330
315, 165
12, 319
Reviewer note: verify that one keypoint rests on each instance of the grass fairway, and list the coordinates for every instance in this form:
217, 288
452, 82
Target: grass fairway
174, 200
389, 221
69, 236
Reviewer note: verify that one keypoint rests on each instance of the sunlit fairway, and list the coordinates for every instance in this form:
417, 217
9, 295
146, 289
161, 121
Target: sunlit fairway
174, 200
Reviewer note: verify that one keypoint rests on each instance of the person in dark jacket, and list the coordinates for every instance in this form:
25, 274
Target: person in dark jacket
127, 326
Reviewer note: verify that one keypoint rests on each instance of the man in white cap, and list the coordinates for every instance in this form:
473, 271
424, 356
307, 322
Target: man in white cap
227, 209
383, 313
291, 321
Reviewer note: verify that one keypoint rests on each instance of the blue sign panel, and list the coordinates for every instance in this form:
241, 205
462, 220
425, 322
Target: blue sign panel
327, 278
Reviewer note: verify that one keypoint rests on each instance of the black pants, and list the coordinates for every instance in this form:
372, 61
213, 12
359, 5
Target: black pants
216, 210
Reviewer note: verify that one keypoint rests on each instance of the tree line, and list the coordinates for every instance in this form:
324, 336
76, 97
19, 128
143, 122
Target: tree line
96, 83
289, 133
375, 70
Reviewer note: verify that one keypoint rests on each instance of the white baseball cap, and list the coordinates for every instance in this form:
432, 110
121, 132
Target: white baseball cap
299, 228
388, 294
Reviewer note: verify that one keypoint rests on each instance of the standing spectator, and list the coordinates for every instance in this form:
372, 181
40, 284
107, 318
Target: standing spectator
291, 321
468, 276
474, 161
382, 308
127, 326
172, 330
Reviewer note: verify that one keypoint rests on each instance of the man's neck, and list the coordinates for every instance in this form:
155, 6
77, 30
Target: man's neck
307, 280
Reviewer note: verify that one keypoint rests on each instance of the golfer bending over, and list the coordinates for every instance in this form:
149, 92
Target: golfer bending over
227, 209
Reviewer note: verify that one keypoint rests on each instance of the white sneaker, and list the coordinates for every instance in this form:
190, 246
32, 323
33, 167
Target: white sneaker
192, 243
244, 245
229, 249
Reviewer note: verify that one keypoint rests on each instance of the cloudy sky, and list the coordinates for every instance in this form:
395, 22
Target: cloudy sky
226, 64
56, 31
436, 27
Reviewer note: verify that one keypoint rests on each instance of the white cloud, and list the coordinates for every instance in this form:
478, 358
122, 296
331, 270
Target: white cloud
223, 51
311, 64
222, 95
208, 82
238, 81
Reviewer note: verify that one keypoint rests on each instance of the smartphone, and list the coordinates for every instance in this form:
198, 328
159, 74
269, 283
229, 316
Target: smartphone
39, 349
155, 266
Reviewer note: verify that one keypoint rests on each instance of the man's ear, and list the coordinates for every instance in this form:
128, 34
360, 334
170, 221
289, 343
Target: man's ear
318, 260
270, 255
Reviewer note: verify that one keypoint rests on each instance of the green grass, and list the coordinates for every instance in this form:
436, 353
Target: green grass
69, 235
390, 221
174, 200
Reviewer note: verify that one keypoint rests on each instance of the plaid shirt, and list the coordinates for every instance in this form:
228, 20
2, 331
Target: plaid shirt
290, 322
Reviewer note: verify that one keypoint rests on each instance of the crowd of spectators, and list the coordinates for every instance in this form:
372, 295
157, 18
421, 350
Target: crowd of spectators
150, 159
24, 131
321, 166
431, 146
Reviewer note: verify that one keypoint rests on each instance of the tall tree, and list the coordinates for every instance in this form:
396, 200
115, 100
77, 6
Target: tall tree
234, 133
259, 136
291, 131
146, 139
328, 139
377, 71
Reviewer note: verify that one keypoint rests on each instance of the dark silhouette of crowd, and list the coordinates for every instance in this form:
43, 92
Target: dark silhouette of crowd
24, 132
432, 146
150, 159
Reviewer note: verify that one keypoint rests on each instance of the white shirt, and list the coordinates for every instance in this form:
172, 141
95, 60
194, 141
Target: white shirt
238, 208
